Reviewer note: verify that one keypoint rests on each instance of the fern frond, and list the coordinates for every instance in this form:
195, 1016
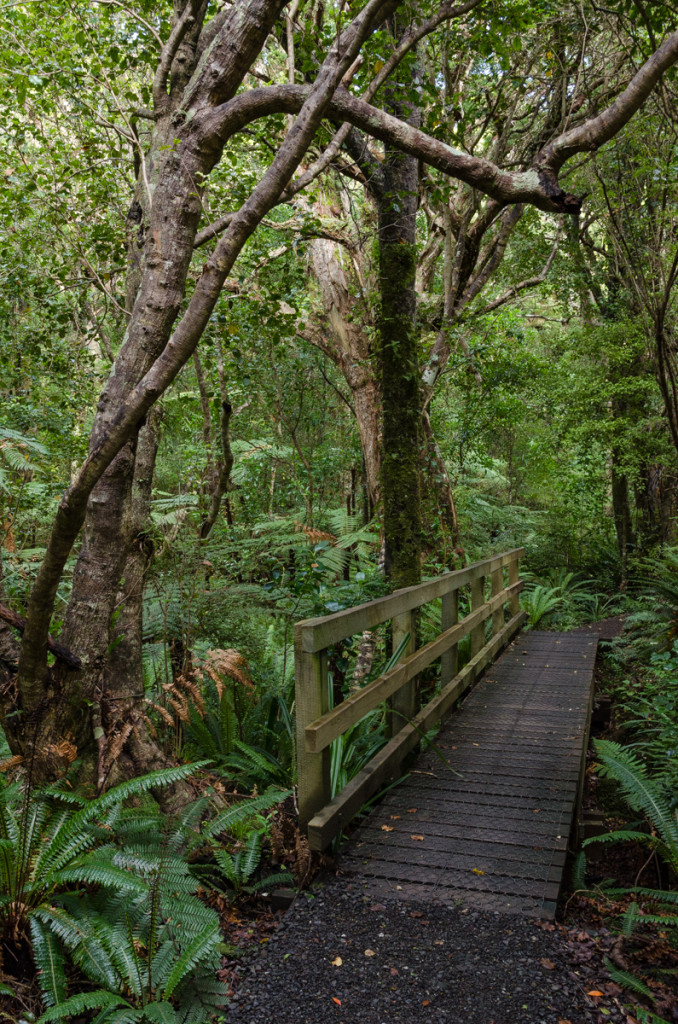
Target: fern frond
82, 1001
627, 980
641, 793
49, 961
243, 811
251, 855
624, 836
83, 943
579, 872
98, 874
281, 878
161, 1012
195, 954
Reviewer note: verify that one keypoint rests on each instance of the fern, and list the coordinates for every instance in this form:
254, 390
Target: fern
195, 954
254, 766
49, 960
627, 980
579, 872
643, 794
242, 812
137, 930
80, 1003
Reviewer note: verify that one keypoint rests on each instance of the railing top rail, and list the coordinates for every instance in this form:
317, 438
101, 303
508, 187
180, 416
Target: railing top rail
321, 632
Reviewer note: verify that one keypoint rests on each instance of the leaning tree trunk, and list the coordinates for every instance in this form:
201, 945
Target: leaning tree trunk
192, 123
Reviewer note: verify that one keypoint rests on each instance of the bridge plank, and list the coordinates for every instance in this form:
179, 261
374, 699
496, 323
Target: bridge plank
495, 820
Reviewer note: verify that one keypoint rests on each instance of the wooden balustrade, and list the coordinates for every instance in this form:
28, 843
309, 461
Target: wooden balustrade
318, 725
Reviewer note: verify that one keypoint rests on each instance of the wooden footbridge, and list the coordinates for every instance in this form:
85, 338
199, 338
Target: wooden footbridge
485, 815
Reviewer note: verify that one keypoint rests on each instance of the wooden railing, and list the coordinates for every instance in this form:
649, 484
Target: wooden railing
318, 725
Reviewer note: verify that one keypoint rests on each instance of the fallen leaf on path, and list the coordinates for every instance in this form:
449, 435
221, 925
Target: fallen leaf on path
337, 1001
548, 964
420, 839
594, 992
370, 952
427, 1002
438, 942
387, 828
477, 871
411, 810
337, 962
395, 817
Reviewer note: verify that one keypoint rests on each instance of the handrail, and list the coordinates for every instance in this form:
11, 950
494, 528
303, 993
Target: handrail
318, 725
326, 630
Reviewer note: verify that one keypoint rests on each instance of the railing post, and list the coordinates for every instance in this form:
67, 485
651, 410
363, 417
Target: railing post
312, 701
477, 600
449, 617
402, 705
513, 577
498, 613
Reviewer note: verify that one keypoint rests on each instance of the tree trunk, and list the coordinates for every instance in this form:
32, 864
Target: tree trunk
399, 369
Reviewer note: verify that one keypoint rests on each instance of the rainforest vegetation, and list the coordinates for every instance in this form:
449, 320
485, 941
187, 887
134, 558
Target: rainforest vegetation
302, 303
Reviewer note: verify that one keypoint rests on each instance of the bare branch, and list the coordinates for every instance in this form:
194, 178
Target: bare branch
169, 50
530, 282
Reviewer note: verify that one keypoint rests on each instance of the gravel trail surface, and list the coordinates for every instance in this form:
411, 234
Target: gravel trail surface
344, 957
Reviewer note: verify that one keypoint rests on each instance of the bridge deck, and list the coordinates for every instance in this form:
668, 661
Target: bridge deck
490, 828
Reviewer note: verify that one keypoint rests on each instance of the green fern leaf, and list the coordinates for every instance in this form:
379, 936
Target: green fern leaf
281, 878
161, 1012
251, 856
243, 811
641, 792
49, 961
81, 1002
98, 874
192, 956
627, 980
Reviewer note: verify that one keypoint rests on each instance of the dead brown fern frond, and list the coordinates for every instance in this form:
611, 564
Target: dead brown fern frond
230, 663
314, 536
163, 712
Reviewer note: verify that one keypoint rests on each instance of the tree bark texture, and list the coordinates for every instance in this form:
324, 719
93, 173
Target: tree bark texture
348, 346
397, 200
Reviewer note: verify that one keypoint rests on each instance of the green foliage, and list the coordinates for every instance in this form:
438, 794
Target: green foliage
656, 801
110, 892
245, 827
564, 600
650, 796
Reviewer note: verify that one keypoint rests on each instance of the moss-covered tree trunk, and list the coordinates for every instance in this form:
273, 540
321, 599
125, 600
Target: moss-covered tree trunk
399, 364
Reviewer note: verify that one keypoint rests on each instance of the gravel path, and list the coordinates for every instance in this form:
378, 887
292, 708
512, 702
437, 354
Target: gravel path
342, 957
